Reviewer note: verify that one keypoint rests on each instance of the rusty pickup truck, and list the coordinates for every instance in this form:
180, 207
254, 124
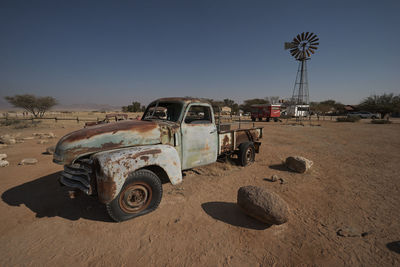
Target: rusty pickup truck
125, 163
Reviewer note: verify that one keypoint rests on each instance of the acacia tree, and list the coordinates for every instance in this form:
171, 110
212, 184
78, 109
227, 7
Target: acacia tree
31, 103
247, 104
135, 107
383, 104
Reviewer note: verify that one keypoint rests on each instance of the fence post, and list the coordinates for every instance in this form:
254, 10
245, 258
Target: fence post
77, 119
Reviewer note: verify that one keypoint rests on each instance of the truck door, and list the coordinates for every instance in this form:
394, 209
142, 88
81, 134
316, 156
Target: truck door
199, 136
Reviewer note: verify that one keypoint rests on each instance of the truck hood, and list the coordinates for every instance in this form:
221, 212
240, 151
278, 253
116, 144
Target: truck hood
112, 136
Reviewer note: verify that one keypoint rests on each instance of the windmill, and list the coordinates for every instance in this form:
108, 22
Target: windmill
301, 48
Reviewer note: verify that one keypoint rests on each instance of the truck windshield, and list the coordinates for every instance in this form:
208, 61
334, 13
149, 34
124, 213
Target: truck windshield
169, 111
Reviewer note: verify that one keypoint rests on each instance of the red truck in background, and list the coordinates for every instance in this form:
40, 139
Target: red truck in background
266, 111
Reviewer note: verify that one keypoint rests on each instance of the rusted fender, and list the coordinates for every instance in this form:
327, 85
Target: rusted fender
113, 167
104, 137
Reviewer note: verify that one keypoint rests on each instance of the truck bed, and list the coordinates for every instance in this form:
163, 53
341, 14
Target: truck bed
230, 136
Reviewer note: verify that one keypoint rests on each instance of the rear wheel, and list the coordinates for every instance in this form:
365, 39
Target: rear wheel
275, 119
246, 153
141, 194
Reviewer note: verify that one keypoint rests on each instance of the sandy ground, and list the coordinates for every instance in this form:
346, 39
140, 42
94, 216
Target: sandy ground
354, 183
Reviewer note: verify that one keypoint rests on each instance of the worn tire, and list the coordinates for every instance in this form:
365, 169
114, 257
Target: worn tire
268, 119
253, 119
140, 194
247, 153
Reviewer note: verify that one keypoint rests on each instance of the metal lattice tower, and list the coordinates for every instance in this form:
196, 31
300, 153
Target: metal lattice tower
300, 95
301, 48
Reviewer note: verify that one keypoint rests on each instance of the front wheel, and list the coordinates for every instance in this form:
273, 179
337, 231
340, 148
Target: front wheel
141, 194
246, 153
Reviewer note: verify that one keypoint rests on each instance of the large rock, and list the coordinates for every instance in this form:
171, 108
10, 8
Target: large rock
3, 156
262, 205
28, 161
4, 163
298, 164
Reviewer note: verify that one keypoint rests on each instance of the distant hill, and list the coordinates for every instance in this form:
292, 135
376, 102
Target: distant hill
87, 107
72, 107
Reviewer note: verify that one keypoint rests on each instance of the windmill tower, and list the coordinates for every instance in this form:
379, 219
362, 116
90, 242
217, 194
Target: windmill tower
301, 48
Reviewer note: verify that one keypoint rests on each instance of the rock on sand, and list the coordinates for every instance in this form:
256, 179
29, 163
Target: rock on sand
28, 161
298, 164
263, 205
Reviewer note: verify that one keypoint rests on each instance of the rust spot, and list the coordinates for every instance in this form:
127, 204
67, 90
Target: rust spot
146, 152
107, 190
111, 145
145, 158
225, 144
129, 125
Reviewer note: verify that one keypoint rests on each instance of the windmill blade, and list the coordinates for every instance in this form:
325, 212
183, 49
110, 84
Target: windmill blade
297, 54
310, 36
305, 37
308, 53
313, 47
314, 44
295, 41
312, 51
298, 37
302, 36
293, 50
314, 39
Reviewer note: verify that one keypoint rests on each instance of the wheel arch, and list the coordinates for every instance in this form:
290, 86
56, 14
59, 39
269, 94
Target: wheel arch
113, 167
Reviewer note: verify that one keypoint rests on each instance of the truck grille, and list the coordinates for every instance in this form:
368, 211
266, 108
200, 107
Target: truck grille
78, 175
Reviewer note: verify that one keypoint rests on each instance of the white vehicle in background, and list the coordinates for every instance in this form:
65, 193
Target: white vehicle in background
364, 115
298, 110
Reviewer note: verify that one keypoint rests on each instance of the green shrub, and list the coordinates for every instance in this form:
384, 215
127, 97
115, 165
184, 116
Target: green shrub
381, 122
348, 119
19, 124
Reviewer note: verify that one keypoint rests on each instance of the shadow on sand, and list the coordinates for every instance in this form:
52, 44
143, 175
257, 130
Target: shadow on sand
280, 167
230, 213
394, 246
47, 198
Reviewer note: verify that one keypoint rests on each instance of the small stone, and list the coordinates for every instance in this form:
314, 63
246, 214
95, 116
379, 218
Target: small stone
3, 156
41, 142
28, 161
50, 150
274, 178
7, 139
263, 205
282, 181
348, 232
298, 164
51, 135
4, 163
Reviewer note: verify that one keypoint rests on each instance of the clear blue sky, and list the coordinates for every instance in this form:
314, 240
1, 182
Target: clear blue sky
113, 52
